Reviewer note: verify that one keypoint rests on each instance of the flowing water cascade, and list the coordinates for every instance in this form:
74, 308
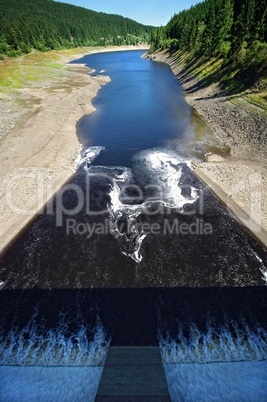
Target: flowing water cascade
34, 345
164, 171
150, 257
158, 176
230, 342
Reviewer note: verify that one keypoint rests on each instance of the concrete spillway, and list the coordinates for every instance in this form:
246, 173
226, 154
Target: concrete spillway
133, 374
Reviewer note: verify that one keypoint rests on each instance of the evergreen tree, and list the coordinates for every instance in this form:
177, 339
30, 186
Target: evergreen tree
45, 25
235, 30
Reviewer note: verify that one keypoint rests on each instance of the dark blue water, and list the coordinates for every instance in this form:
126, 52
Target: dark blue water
163, 261
142, 108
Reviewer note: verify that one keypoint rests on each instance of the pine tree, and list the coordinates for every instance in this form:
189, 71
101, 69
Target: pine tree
45, 25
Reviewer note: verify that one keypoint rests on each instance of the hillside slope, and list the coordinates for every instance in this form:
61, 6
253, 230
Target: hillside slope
218, 51
46, 25
232, 34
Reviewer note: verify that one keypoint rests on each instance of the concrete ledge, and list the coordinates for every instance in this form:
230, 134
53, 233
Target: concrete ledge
133, 374
242, 214
17, 224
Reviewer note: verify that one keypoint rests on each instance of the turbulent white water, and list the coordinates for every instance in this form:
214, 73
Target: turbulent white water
262, 267
164, 170
87, 156
234, 341
118, 210
35, 346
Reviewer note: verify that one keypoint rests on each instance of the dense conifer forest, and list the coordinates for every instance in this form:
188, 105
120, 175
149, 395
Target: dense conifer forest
45, 25
234, 30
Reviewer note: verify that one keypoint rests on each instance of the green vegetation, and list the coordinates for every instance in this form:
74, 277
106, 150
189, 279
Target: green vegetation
227, 39
46, 25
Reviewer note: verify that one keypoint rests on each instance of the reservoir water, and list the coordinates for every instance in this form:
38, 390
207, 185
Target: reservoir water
135, 250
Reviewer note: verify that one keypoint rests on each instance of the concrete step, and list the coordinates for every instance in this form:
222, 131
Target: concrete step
133, 374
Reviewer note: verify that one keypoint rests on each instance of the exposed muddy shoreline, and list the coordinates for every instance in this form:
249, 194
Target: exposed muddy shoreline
38, 139
239, 180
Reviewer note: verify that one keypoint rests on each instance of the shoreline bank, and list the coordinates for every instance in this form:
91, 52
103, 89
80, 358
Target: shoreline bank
41, 101
240, 180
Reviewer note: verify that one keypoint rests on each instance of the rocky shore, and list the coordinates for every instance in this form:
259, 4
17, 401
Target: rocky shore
41, 101
239, 180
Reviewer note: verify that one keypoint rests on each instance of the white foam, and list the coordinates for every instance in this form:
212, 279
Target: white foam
119, 177
217, 344
33, 345
118, 209
166, 169
262, 267
115, 192
87, 156
2, 284
136, 256
163, 169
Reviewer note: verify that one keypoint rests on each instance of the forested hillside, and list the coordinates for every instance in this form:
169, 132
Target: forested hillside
47, 25
233, 30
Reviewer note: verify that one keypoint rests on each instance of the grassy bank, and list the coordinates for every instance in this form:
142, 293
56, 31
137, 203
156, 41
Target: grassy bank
32, 71
42, 98
229, 81
27, 70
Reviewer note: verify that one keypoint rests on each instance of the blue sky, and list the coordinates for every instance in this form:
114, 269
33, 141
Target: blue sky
149, 12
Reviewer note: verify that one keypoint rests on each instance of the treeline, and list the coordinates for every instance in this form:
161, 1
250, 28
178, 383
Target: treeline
46, 25
232, 29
